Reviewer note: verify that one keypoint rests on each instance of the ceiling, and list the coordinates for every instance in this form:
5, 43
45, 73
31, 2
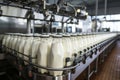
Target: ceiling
113, 6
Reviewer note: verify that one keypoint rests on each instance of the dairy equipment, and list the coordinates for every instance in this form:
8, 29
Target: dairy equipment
54, 54
48, 56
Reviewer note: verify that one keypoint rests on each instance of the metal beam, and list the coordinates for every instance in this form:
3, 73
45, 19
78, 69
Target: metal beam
109, 5
113, 10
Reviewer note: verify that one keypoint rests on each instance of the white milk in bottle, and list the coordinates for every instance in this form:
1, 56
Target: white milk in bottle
67, 49
28, 44
56, 55
43, 52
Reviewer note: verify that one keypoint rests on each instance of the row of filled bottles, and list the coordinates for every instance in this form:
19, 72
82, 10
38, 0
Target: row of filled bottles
51, 50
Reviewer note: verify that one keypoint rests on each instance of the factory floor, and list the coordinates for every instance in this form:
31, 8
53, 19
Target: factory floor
110, 70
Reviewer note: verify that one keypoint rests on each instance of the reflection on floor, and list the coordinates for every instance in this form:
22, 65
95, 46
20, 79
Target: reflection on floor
111, 68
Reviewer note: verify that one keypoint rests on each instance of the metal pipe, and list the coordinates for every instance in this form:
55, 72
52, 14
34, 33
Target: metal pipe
28, 8
105, 10
96, 9
62, 24
96, 66
75, 12
88, 78
96, 13
28, 26
44, 4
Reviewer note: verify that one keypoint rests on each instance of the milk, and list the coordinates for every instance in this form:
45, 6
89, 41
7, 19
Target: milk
73, 43
27, 47
80, 43
14, 42
4, 40
56, 56
11, 42
18, 42
35, 47
43, 52
67, 49
22, 45
7, 42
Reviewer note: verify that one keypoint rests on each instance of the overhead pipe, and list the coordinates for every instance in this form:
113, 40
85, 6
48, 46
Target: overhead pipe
4, 4
96, 9
75, 12
30, 21
96, 13
105, 9
62, 24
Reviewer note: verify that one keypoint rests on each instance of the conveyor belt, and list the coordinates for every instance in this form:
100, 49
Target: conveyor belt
111, 68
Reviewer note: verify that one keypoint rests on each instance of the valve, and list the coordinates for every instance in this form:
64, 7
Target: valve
80, 52
95, 50
88, 48
75, 60
75, 55
85, 50
67, 60
84, 59
91, 54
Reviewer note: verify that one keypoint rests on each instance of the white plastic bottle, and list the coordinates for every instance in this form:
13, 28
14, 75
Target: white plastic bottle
27, 47
74, 44
35, 47
67, 49
7, 42
56, 55
15, 41
43, 52
22, 45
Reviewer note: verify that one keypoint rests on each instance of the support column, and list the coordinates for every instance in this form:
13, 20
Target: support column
28, 26
96, 13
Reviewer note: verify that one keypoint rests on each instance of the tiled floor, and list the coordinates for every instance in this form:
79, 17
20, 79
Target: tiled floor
111, 68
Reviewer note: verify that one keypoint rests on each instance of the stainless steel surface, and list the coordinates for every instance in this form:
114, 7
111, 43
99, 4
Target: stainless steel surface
13, 11
12, 25
10, 11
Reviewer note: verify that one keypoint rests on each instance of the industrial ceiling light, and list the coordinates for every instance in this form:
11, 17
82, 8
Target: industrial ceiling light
78, 10
86, 13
